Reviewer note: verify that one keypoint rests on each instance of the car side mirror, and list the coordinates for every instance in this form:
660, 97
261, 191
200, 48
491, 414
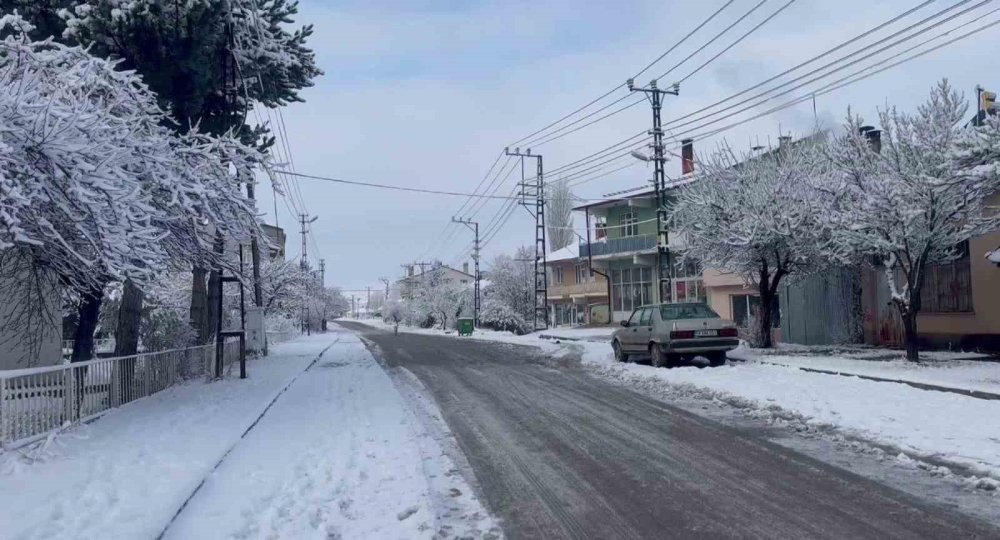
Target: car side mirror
625, 324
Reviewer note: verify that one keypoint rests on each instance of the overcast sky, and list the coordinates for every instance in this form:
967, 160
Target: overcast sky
427, 93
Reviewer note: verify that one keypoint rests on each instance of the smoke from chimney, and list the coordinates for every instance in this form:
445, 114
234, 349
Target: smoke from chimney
687, 156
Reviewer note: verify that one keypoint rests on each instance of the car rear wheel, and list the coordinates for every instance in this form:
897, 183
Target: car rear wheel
620, 355
656, 356
717, 359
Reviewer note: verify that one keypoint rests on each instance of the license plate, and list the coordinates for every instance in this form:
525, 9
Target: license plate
705, 333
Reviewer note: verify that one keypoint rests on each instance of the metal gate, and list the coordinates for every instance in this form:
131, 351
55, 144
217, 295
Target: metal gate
822, 309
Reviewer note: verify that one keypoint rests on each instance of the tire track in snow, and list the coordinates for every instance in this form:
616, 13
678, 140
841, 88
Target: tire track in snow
242, 436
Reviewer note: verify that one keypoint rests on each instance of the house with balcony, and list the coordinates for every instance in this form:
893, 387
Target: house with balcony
577, 295
623, 249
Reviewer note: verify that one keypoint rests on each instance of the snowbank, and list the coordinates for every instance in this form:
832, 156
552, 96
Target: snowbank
929, 424
937, 369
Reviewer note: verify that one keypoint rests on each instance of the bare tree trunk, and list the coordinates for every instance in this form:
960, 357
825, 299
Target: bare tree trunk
88, 315
127, 337
764, 317
910, 334
213, 304
129, 318
215, 290
199, 305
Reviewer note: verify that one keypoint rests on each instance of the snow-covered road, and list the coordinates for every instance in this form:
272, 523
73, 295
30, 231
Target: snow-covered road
339, 454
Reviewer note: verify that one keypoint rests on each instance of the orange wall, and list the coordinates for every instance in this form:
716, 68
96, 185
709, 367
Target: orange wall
985, 315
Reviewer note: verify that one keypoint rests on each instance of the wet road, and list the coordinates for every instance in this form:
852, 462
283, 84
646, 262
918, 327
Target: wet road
559, 454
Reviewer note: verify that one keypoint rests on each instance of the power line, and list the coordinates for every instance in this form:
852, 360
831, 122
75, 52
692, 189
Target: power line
714, 38
733, 44
677, 121
619, 86
683, 39
811, 60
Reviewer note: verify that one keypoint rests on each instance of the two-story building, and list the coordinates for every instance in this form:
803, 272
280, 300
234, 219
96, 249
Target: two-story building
577, 295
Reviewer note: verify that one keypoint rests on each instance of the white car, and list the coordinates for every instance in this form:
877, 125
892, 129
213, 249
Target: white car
668, 333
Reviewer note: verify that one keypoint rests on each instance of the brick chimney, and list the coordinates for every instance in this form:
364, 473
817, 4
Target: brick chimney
687, 156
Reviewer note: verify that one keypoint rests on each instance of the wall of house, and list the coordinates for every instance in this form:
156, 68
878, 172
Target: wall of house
642, 214
40, 345
981, 326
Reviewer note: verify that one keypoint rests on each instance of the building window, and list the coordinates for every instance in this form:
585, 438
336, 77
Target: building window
746, 304
583, 274
559, 275
631, 288
629, 224
687, 282
947, 287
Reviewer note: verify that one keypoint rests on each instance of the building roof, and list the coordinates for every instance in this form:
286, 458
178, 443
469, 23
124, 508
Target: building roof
646, 193
567, 253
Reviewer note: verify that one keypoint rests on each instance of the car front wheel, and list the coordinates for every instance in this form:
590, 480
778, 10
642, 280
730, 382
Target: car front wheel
620, 355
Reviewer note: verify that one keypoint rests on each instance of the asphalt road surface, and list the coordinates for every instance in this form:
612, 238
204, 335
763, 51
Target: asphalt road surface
559, 454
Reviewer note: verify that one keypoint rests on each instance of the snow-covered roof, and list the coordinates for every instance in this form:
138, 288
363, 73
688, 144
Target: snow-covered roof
993, 256
569, 252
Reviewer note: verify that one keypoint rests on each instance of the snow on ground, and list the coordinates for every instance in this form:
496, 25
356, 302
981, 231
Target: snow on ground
339, 454
943, 369
932, 425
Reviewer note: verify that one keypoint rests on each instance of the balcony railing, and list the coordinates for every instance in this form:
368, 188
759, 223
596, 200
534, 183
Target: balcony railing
611, 246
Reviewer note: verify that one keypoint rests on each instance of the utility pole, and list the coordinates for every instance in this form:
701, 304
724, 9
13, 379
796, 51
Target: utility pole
304, 221
368, 303
664, 268
534, 194
474, 227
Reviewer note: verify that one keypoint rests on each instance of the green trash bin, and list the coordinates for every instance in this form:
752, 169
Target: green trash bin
465, 327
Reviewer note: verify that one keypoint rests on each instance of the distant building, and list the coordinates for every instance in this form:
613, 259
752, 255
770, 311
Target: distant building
577, 294
30, 316
416, 274
274, 241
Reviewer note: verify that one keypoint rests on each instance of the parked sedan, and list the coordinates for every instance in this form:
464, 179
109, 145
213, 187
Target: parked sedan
669, 333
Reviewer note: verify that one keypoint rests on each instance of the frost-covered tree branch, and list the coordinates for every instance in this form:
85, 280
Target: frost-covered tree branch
757, 216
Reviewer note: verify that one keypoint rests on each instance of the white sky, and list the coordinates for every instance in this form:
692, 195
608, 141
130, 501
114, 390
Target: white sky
427, 93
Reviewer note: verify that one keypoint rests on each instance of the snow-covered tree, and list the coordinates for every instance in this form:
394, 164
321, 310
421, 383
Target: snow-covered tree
512, 283
559, 220
82, 141
757, 216
208, 61
915, 201
436, 299
497, 315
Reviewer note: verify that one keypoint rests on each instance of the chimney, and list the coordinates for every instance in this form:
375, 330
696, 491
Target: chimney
687, 156
465, 267
409, 271
874, 137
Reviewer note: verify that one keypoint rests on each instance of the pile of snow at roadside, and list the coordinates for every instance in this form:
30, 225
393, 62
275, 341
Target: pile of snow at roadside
938, 368
337, 455
925, 424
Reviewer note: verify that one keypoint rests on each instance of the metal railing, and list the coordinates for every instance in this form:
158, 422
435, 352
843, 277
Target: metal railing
37, 401
611, 246
101, 346
273, 338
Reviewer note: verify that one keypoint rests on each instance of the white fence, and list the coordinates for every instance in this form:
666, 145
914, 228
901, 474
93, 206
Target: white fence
36, 401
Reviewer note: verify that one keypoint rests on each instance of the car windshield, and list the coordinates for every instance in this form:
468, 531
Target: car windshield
687, 311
